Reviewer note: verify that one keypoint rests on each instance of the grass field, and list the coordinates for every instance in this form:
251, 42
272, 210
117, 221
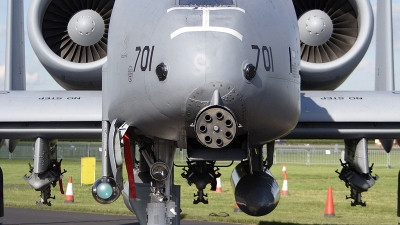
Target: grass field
307, 187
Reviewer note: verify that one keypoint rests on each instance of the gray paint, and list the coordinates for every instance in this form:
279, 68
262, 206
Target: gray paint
361, 163
384, 68
205, 50
348, 115
41, 159
15, 47
349, 106
201, 62
50, 114
105, 158
24, 107
15, 77
50, 111
50, 106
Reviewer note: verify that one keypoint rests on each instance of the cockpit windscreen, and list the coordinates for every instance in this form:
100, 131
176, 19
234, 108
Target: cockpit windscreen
206, 2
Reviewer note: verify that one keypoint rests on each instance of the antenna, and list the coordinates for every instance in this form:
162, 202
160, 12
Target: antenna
15, 47
384, 70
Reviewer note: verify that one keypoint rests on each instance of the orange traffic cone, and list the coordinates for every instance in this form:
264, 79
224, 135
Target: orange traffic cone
284, 169
237, 209
69, 196
329, 208
219, 186
285, 187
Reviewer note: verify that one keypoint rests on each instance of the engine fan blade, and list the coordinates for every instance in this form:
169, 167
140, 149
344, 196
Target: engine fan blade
95, 53
346, 17
57, 10
338, 8
349, 40
89, 54
317, 54
341, 42
83, 57
66, 49
350, 32
337, 50
324, 54
78, 4
70, 4
299, 7
328, 5
311, 57
55, 29
105, 9
309, 4
305, 52
101, 51
322, 5
347, 24
330, 53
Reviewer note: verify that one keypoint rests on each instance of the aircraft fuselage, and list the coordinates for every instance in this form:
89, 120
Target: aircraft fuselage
203, 49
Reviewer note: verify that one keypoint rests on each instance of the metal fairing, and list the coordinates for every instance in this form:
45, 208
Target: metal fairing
205, 49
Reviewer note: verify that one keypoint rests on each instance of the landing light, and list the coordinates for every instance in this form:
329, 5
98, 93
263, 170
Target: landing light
159, 171
104, 190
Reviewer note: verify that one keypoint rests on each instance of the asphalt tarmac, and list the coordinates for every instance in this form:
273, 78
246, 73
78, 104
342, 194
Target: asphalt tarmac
32, 217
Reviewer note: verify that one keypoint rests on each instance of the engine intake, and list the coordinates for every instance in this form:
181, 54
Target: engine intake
70, 39
335, 35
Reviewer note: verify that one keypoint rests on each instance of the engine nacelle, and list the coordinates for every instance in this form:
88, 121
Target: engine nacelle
70, 39
256, 194
335, 36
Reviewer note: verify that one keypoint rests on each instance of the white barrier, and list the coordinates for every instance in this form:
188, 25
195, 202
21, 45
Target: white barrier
288, 154
330, 155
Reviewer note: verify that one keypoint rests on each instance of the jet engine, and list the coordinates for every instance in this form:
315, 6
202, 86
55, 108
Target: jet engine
256, 194
70, 39
334, 35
